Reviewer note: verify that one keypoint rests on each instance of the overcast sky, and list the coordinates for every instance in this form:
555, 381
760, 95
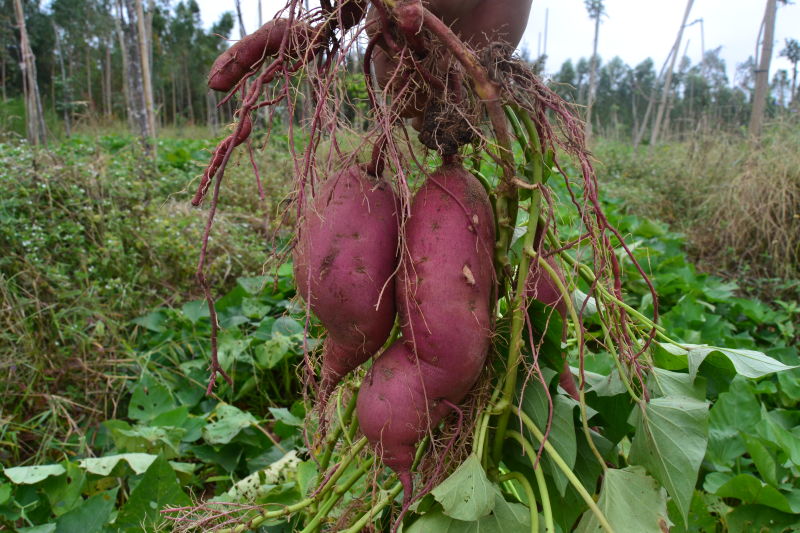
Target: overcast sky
633, 29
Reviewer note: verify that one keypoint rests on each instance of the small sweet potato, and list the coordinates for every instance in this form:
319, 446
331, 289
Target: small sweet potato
344, 260
444, 295
249, 53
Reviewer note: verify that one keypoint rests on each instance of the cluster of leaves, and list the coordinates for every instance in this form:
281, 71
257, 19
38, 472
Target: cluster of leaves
93, 234
175, 441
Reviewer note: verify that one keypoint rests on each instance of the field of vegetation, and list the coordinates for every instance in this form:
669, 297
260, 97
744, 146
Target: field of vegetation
367, 268
104, 348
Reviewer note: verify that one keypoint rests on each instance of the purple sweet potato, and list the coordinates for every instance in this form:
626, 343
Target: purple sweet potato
444, 295
349, 12
249, 53
344, 261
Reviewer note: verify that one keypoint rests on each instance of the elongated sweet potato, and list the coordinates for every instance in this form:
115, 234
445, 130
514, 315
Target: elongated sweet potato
343, 264
444, 296
249, 53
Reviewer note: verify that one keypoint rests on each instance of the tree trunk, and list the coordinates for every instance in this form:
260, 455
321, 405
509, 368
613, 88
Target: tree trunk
34, 117
667, 88
3, 75
107, 99
242, 32
147, 83
762, 74
592, 79
65, 92
137, 109
90, 97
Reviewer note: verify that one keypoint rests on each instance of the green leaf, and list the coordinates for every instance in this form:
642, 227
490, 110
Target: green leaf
44, 528
306, 476
253, 286
748, 363
666, 383
762, 458
771, 430
229, 422
282, 414
64, 492
505, 518
536, 405
149, 399
750, 518
467, 494
154, 321
734, 411
631, 501
750, 489
30, 475
670, 442
5, 492
102, 466
90, 517
272, 352
196, 310
287, 326
157, 489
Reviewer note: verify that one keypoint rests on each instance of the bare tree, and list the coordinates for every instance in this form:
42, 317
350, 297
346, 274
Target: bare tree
762, 74
792, 53
596, 11
665, 90
34, 117
144, 55
132, 68
66, 93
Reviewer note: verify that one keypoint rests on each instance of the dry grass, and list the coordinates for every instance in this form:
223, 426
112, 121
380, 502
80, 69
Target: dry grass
738, 202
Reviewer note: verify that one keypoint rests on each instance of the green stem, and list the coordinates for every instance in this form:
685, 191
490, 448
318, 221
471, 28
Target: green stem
567, 299
338, 492
518, 304
562, 465
549, 526
331, 442
526, 486
269, 515
359, 525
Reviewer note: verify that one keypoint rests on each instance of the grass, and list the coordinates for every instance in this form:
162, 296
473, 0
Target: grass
93, 235
736, 201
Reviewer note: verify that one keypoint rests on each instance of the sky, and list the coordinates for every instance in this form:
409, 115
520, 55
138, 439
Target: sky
633, 29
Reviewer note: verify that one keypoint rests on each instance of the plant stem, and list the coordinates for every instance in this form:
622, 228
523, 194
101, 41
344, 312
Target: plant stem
526, 486
567, 298
562, 465
358, 526
338, 492
518, 302
549, 526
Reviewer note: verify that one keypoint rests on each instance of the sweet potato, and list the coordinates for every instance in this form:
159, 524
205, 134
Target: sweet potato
345, 258
477, 22
249, 53
349, 12
444, 297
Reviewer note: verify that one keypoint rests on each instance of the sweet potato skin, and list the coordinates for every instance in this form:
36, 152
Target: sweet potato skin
447, 279
249, 53
344, 260
444, 295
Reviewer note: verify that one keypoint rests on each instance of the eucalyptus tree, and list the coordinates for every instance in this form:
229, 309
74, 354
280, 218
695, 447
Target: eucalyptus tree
596, 9
792, 52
